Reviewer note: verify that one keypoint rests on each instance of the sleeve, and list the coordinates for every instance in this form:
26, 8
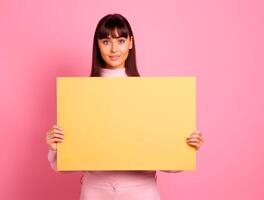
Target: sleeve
171, 171
52, 158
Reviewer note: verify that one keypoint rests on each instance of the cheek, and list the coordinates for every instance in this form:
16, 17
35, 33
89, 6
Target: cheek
124, 50
103, 48
104, 55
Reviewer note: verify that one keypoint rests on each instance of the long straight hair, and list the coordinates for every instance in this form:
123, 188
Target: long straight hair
105, 27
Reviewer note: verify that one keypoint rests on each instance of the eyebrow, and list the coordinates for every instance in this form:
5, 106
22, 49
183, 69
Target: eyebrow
115, 37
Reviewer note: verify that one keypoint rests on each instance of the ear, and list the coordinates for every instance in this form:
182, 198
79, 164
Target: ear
131, 43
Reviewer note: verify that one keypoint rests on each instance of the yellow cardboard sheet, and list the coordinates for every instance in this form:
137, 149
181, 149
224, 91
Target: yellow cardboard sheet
126, 123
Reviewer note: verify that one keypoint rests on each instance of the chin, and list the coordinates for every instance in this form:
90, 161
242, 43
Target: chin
114, 64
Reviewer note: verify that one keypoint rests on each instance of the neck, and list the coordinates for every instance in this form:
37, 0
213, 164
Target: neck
109, 67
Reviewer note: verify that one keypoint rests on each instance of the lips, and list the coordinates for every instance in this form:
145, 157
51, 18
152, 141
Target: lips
114, 57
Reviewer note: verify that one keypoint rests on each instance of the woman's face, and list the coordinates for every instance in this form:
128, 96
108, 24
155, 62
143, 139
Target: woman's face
115, 51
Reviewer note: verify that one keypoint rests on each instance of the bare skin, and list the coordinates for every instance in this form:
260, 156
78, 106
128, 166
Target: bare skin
53, 136
115, 47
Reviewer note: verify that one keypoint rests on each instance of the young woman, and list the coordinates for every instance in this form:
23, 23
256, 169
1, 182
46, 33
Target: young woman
114, 55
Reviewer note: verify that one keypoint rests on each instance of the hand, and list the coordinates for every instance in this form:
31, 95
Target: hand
53, 136
195, 139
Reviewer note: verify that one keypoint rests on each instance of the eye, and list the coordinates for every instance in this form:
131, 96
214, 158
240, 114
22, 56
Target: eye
121, 41
105, 42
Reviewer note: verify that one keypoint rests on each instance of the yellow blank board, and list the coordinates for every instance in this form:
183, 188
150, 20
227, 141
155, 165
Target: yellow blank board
126, 123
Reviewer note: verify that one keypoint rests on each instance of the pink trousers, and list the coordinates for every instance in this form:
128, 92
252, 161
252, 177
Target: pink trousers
126, 187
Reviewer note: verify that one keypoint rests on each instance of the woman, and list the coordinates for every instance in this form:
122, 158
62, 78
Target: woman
114, 56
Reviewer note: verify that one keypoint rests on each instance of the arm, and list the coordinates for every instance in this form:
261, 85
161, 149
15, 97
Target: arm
54, 136
52, 158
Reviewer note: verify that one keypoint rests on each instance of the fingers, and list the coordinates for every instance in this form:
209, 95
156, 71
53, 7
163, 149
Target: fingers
197, 134
55, 140
57, 135
196, 145
57, 127
54, 134
50, 142
195, 140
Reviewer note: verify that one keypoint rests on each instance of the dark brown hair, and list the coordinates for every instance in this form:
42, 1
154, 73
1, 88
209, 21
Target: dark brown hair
105, 27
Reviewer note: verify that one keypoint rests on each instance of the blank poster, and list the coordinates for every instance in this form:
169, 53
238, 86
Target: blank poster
126, 123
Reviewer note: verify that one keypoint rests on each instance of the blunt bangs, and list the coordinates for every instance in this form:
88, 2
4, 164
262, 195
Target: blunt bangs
109, 27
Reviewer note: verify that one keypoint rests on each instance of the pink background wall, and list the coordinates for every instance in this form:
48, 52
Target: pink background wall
219, 42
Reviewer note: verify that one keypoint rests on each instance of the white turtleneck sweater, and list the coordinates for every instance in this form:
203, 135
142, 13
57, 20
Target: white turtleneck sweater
120, 72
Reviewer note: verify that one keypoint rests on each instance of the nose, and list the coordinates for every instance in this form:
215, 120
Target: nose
114, 47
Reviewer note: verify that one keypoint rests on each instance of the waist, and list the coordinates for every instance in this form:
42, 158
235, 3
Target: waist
120, 178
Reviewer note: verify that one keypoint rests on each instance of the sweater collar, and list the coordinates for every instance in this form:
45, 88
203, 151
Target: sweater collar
105, 72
